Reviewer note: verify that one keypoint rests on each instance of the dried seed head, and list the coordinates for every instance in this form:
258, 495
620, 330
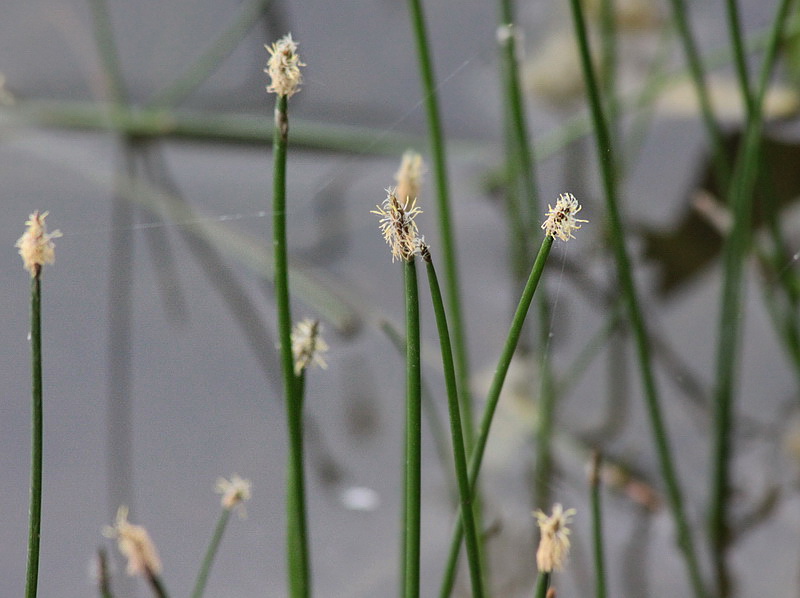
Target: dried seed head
398, 227
234, 493
135, 544
283, 67
35, 245
308, 345
409, 177
554, 544
561, 221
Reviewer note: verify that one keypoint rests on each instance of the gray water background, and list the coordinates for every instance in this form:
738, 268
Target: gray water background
201, 405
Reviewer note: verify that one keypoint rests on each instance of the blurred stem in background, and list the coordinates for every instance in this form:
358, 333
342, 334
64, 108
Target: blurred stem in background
449, 250
740, 203
606, 159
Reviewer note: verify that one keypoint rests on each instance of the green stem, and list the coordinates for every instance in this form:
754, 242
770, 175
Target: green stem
695, 64
159, 590
459, 453
35, 511
597, 527
628, 289
476, 458
296, 537
740, 202
542, 584
413, 464
208, 560
182, 86
103, 585
449, 250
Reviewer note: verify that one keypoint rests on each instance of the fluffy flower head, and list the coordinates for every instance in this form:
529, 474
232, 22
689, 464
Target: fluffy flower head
554, 544
398, 227
283, 67
135, 544
234, 492
36, 245
308, 345
561, 221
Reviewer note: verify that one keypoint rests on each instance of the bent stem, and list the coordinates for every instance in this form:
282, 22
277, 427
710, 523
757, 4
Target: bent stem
208, 560
35, 511
459, 453
413, 464
628, 290
493, 398
296, 536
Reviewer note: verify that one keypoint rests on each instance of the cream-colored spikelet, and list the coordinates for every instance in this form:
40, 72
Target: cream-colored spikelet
554, 543
398, 227
36, 245
234, 493
561, 221
135, 544
308, 345
283, 67
409, 176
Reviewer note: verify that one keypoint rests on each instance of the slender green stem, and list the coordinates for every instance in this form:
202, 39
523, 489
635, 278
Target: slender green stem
503, 363
211, 553
736, 245
296, 538
517, 127
448, 240
542, 585
459, 453
107, 50
597, 527
607, 168
35, 510
103, 585
413, 465
183, 85
157, 585
739, 58
696, 70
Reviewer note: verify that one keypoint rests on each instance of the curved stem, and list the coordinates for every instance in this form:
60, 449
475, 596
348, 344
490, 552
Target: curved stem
208, 560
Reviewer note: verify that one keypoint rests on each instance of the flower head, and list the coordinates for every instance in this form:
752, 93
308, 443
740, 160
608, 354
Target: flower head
561, 221
308, 345
398, 227
409, 176
283, 67
234, 493
554, 544
36, 244
135, 544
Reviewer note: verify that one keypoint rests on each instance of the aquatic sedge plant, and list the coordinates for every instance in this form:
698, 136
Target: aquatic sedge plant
402, 235
560, 223
553, 545
283, 68
234, 494
36, 248
135, 544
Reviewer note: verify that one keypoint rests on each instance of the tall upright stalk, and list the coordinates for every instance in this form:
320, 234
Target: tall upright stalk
296, 541
606, 158
448, 240
35, 510
413, 463
740, 202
